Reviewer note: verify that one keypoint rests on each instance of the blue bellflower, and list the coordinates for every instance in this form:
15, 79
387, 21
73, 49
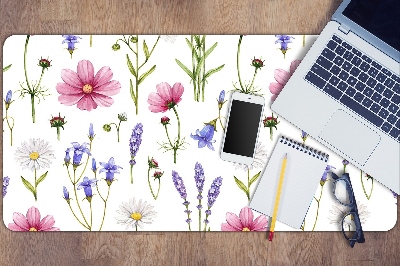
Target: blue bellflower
79, 150
328, 169
94, 167
221, 99
71, 40
67, 158
87, 185
135, 141
284, 40
8, 97
66, 194
205, 136
91, 132
110, 168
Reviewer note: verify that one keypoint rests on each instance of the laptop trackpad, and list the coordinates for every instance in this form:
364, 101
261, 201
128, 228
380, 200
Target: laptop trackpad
348, 135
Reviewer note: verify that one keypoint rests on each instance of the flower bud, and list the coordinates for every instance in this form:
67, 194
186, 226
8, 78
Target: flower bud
152, 163
107, 128
44, 63
123, 117
157, 175
57, 121
115, 47
134, 39
165, 120
257, 63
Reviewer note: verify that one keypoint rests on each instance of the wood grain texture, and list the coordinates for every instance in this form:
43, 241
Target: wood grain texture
180, 17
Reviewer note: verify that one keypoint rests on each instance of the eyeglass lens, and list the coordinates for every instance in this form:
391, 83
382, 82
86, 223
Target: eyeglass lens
340, 191
349, 223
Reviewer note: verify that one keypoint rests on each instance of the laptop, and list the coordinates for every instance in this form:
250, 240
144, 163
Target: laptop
346, 91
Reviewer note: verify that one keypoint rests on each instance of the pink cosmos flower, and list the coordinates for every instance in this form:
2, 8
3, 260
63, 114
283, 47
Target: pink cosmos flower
282, 77
244, 222
85, 89
165, 98
32, 222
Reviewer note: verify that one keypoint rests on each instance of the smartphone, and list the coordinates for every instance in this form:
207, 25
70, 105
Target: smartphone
243, 125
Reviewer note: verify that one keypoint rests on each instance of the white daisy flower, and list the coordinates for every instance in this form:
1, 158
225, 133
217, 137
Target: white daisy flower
340, 211
34, 155
259, 159
169, 38
135, 215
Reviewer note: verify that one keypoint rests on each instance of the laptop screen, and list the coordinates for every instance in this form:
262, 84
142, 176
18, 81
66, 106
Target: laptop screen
379, 17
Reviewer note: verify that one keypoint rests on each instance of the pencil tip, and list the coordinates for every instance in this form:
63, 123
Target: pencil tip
285, 155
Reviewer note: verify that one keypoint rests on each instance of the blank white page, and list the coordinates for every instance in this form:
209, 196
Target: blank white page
304, 169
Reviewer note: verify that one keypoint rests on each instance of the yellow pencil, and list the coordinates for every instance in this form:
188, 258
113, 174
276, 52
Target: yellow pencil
277, 199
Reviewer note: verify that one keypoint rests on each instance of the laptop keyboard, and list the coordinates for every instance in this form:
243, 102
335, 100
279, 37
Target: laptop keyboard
360, 83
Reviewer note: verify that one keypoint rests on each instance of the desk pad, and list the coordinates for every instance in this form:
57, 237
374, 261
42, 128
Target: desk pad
122, 133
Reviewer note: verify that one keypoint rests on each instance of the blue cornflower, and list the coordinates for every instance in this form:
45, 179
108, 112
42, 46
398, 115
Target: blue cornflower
94, 167
284, 40
79, 150
91, 132
205, 136
179, 185
135, 141
214, 191
87, 185
110, 168
71, 40
328, 169
66, 194
6, 182
8, 97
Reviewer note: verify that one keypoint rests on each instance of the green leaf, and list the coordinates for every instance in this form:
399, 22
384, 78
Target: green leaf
145, 74
209, 229
189, 44
209, 50
212, 71
241, 185
185, 68
41, 178
132, 91
28, 185
199, 66
146, 49
254, 179
130, 66
7, 68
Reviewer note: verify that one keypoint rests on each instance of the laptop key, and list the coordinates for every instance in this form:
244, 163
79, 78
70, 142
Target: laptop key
363, 77
386, 71
364, 66
343, 75
376, 97
317, 69
350, 91
355, 71
386, 127
322, 61
375, 108
342, 86
383, 113
346, 45
336, 38
381, 77
393, 108
368, 92
328, 54
397, 123
338, 60
396, 88
335, 70
373, 72
366, 58
332, 44
385, 102
391, 119
359, 97
379, 88
389, 82
371, 82
360, 86
394, 132
351, 81
396, 78
340, 50
388, 93
361, 110
396, 99
334, 80
355, 51
356, 61
346, 66
348, 55
314, 79
376, 65
367, 102
332, 91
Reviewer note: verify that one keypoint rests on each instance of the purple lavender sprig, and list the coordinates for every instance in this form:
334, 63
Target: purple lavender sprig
199, 179
6, 182
213, 193
180, 187
134, 144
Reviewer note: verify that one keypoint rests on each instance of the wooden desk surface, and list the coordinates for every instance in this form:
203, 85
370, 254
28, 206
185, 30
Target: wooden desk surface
180, 17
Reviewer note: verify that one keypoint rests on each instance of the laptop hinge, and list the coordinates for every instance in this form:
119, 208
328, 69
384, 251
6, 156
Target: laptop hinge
344, 29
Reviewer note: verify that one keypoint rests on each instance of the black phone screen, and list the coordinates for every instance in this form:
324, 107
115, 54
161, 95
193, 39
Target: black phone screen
241, 134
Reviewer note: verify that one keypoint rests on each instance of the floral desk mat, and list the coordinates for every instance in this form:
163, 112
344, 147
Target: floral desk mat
119, 133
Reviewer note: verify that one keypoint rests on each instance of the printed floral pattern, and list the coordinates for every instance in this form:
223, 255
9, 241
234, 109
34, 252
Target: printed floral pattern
115, 169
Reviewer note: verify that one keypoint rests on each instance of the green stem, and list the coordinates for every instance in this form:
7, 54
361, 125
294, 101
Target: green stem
91, 214
9, 126
87, 161
252, 81
304, 40
137, 75
318, 201
248, 184
131, 174
91, 40
152, 49
118, 129
77, 217
35, 194
58, 133
220, 120
159, 186
105, 207
26, 73
33, 107
362, 183
344, 168
179, 134
136, 227
77, 201
204, 69
199, 76
193, 68
205, 224
237, 61
148, 180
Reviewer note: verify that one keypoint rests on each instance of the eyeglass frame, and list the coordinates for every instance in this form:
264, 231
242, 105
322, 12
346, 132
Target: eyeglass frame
359, 234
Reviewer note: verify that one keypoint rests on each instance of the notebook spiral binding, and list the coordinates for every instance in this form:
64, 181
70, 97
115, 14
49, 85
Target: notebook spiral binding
304, 148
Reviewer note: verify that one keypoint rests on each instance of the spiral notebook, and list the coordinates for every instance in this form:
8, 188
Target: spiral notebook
304, 169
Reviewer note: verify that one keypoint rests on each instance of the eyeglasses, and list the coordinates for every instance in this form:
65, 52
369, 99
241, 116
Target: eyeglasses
343, 192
